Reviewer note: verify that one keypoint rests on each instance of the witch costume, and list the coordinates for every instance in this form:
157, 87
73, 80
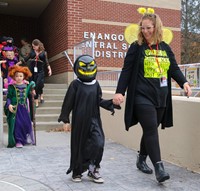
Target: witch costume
19, 122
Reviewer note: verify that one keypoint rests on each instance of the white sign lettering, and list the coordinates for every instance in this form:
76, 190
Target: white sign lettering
107, 45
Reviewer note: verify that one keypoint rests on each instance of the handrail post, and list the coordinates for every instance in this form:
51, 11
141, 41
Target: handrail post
65, 52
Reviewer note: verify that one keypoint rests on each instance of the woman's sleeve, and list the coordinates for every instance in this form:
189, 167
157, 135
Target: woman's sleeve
176, 73
127, 69
46, 59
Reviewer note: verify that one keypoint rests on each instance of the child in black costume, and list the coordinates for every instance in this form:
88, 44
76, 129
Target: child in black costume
84, 98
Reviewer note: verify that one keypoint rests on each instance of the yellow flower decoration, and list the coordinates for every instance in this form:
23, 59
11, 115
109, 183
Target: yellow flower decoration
142, 10
150, 10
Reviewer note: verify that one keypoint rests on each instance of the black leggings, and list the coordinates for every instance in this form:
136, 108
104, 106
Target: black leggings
149, 118
38, 78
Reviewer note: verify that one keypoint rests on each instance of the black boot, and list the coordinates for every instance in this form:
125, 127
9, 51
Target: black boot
142, 165
161, 175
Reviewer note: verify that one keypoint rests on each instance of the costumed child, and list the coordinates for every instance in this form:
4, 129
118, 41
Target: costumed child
9, 61
8, 45
17, 108
84, 99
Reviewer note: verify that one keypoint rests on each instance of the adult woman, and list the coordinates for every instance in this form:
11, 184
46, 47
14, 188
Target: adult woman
37, 60
148, 68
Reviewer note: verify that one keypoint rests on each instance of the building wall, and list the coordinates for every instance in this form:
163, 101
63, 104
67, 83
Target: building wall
66, 23
18, 27
79, 20
54, 32
111, 17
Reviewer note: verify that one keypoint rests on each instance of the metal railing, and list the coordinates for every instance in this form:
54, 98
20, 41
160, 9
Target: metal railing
110, 79
192, 73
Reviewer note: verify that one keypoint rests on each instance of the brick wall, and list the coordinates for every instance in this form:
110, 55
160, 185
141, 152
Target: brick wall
61, 29
123, 14
64, 23
67, 22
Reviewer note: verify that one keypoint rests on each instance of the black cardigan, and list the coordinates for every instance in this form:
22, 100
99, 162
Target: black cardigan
128, 80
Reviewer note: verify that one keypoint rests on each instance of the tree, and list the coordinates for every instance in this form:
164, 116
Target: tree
190, 31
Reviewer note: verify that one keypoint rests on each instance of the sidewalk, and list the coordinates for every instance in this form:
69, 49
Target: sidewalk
43, 167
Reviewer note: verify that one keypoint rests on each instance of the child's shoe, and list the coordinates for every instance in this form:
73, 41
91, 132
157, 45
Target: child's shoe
76, 178
95, 176
19, 145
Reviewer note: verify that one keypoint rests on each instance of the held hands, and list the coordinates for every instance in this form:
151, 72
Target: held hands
118, 99
187, 89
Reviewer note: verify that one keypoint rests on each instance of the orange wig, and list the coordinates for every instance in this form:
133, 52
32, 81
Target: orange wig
13, 69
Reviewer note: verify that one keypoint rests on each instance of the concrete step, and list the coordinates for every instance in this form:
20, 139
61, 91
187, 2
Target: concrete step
48, 110
40, 126
51, 103
48, 97
42, 117
46, 117
54, 91
55, 86
53, 97
47, 126
44, 111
